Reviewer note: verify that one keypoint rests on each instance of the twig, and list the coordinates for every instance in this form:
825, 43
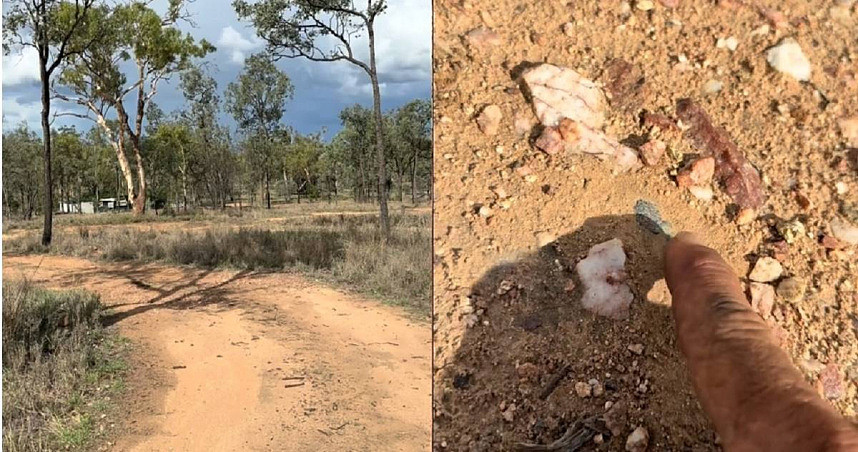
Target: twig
576, 436
555, 380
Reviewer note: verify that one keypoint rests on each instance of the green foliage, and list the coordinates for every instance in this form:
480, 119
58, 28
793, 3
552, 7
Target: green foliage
22, 166
258, 98
305, 22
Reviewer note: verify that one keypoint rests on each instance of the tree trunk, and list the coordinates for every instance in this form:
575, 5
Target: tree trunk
47, 231
414, 177
267, 190
384, 221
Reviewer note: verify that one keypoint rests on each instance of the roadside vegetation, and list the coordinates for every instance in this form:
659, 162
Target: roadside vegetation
61, 369
343, 248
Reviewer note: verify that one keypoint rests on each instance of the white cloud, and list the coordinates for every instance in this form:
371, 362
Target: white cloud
15, 112
237, 45
21, 66
403, 50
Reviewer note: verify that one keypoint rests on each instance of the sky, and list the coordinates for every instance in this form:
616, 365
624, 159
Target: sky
322, 89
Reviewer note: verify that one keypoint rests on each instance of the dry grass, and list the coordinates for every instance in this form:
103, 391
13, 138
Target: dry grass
59, 368
344, 248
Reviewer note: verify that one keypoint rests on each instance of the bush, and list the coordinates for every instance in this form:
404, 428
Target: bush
346, 248
57, 360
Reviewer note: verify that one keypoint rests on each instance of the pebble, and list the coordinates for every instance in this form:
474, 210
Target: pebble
597, 388
745, 216
651, 151
482, 38
762, 298
766, 269
698, 172
788, 58
485, 211
830, 382
712, 87
489, 119
791, 230
509, 413
637, 349
702, 193
603, 275
638, 441
791, 289
583, 389
569, 29
849, 130
844, 231
644, 5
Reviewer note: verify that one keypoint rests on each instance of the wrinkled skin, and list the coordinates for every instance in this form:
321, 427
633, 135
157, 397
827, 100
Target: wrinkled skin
745, 382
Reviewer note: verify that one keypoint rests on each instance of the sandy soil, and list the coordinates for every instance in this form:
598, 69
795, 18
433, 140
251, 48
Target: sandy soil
507, 317
234, 361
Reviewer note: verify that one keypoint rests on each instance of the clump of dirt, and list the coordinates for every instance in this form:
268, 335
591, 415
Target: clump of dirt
517, 358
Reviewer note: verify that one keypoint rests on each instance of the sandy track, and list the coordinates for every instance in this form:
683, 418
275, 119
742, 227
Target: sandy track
220, 356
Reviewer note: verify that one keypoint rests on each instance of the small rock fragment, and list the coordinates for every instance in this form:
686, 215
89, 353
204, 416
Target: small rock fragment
482, 38
844, 231
596, 387
603, 276
745, 216
522, 125
830, 382
651, 151
776, 18
616, 417
669, 3
702, 193
740, 179
849, 130
788, 58
766, 269
625, 83
831, 243
762, 298
559, 93
485, 211
712, 87
569, 29
583, 389
509, 413
637, 349
791, 230
644, 5
699, 172
791, 289
489, 119
638, 441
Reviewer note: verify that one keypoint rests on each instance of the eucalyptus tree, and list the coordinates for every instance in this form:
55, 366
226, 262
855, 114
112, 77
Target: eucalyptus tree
130, 32
356, 138
52, 28
297, 29
21, 149
411, 142
257, 100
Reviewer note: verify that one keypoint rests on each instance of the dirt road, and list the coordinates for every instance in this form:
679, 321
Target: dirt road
230, 360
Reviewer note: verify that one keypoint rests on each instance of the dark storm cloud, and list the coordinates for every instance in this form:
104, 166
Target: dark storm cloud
321, 89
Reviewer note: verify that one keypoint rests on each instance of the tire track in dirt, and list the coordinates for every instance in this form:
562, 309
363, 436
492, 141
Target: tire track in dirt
229, 360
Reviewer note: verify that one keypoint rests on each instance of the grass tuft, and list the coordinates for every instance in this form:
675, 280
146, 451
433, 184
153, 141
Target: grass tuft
58, 366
